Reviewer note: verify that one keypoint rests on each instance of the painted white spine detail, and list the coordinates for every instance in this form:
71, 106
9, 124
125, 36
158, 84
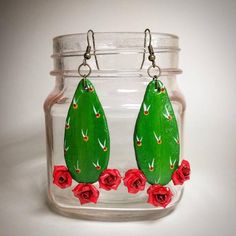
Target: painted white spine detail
172, 163
158, 181
176, 140
68, 121
75, 101
97, 165
77, 169
84, 134
95, 111
139, 139
151, 165
158, 138
102, 145
146, 108
167, 114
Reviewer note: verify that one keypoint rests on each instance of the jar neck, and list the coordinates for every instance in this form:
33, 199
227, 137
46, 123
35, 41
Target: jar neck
118, 54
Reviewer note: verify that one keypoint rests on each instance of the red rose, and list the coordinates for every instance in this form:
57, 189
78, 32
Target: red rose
61, 177
159, 195
110, 179
182, 173
134, 180
86, 193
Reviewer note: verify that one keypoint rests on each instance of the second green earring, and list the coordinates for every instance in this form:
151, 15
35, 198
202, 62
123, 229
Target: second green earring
156, 142
156, 136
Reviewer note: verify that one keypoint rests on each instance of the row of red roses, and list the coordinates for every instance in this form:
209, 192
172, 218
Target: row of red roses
134, 180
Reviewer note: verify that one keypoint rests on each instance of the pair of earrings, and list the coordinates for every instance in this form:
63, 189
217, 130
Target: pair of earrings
87, 142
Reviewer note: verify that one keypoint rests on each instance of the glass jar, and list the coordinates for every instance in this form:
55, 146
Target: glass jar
120, 85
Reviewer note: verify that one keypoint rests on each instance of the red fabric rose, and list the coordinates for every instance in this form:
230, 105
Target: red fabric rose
134, 180
159, 195
110, 179
182, 173
86, 193
61, 177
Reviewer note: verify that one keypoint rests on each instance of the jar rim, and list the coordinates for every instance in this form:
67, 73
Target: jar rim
69, 49
112, 42
115, 32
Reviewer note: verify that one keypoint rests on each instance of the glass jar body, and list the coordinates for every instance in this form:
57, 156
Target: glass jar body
120, 87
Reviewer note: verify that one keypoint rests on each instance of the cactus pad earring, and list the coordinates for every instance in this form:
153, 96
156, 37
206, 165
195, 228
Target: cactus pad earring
156, 139
86, 140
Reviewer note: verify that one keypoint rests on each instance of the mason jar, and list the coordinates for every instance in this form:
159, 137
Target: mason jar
120, 85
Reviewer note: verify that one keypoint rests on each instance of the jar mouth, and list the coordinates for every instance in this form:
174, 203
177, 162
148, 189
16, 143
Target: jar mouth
113, 42
116, 51
103, 33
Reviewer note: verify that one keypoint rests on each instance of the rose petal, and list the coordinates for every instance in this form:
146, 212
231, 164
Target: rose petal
61, 172
155, 190
60, 168
115, 179
81, 189
132, 176
178, 176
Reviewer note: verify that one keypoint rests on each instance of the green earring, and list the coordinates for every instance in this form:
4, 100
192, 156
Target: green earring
156, 141
156, 137
86, 141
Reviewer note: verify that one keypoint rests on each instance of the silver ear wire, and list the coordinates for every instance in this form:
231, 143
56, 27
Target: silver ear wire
87, 56
87, 53
151, 58
145, 45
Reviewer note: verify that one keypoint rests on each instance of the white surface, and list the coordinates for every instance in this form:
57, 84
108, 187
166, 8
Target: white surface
207, 38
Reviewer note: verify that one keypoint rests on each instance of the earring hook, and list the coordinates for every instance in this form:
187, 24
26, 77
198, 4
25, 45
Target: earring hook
87, 53
151, 58
87, 56
146, 31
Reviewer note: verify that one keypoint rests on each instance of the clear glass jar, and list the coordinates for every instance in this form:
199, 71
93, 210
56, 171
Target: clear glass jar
120, 85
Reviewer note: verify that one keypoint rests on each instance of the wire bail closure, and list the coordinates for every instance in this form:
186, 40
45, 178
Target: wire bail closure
84, 65
154, 67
